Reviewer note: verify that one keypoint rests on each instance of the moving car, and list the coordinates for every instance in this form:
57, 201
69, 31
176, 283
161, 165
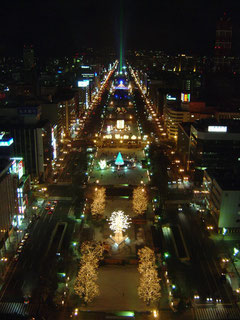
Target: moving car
26, 236
16, 257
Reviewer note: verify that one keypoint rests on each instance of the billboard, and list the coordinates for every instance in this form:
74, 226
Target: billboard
217, 129
54, 142
17, 167
20, 169
6, 143
28, 111
83, 83
120, 124
185, 97
170, 98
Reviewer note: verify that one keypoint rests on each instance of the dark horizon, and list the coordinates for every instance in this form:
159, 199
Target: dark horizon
55, 28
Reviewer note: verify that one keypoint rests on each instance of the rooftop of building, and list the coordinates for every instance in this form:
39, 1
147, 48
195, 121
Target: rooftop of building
176, 106
186, 127
63, 94
4, 165
231, 126
7, 123
4, 136
16, 101
226, 179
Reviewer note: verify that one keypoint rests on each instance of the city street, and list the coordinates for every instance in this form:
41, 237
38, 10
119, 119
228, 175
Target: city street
24, 275
188, 265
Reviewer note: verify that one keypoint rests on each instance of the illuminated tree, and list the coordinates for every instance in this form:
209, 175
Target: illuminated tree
146, 259
85, 285
149, 288
140, 200
119, 222
99, 201
92, 251
102, 164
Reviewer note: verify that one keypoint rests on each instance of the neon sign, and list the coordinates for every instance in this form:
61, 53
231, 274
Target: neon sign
83, 84
185, 97
6, 143
120, 124
169, 97
217, 129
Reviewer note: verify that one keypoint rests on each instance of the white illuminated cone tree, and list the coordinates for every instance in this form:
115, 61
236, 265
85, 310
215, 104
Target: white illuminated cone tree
140, 200
119, 223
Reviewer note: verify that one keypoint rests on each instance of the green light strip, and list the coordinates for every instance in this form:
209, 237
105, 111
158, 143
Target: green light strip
121, 38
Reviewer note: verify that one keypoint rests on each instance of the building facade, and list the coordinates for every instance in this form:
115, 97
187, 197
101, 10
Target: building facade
8, 204
222, 198
213, 145
174, 115
32, 142
223, 42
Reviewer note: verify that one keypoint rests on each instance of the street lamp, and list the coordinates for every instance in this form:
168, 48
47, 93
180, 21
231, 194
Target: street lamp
155, 313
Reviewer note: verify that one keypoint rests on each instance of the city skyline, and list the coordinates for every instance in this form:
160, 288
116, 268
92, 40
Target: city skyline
55, 28
119, 160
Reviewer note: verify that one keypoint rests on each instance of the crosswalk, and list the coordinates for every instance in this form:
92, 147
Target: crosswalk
222, 312
20, 309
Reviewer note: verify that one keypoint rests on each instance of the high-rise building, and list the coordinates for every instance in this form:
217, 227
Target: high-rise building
28, 57
213, 145
8, 207
31, 136
223, 42
14, 187
222, 192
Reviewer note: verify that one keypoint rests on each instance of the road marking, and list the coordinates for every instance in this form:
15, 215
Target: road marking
8, 280
219, 312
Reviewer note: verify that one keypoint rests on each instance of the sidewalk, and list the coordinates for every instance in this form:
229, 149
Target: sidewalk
225, 244
8, 251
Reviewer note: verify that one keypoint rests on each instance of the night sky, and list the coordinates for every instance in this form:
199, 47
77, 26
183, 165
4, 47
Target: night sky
57, 27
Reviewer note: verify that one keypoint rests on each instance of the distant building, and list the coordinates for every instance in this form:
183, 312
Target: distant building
221, 115
28, 57
223, 42
22, 187
62, 117
176, 112
83, 91
183, 142
174, 115
66, 113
